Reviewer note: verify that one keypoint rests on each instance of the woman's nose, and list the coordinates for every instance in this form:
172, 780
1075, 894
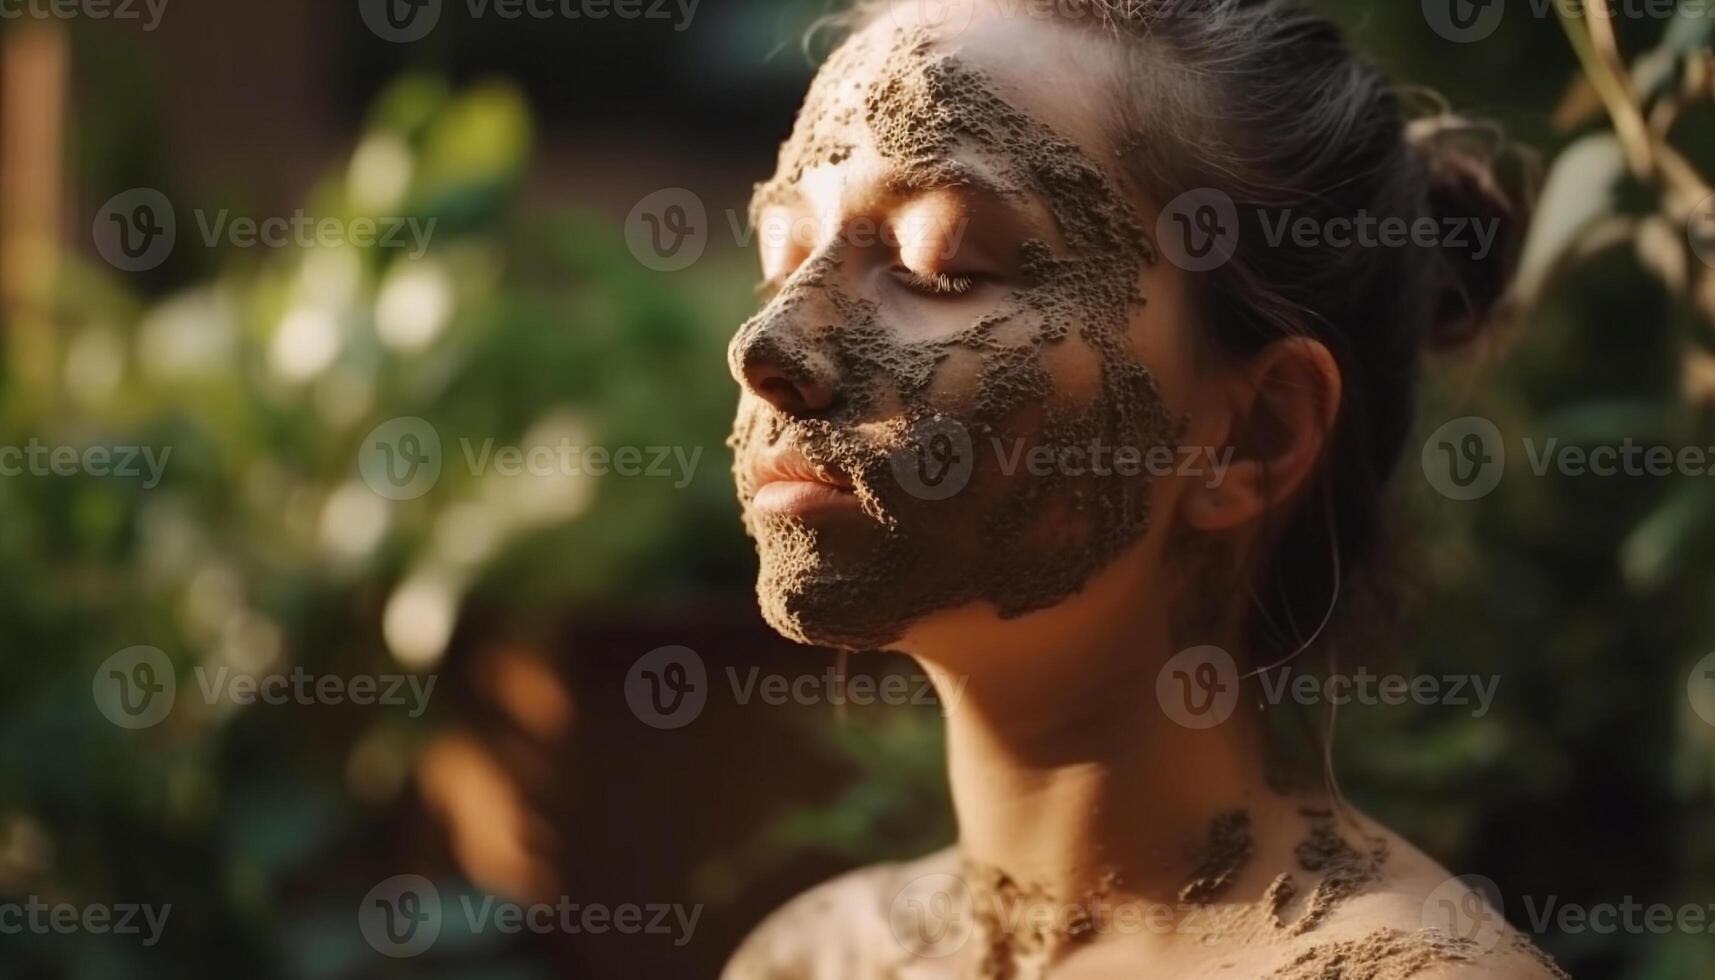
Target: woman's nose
775, 357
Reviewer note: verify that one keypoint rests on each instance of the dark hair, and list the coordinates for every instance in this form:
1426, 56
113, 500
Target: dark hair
1264, 101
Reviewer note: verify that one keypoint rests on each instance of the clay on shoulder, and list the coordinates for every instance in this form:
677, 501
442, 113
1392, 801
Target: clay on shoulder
838, 929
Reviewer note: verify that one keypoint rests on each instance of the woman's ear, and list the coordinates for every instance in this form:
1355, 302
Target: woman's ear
1283, 406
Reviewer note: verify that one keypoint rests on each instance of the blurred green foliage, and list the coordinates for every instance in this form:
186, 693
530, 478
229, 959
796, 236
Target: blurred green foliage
262, 549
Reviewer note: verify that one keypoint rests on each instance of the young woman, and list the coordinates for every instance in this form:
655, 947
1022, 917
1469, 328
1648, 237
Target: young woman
1042, 398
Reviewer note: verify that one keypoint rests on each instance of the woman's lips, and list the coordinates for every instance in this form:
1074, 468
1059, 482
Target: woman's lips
801, 498
789, 484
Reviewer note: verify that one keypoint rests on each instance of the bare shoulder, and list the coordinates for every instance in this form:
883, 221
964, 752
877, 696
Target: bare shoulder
838, 929
1417, 920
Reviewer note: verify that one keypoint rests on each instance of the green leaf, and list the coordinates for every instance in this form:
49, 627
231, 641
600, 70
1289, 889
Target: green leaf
1688, 31
1607, 422
1658, 548
1581, 188
475, 151
409, 104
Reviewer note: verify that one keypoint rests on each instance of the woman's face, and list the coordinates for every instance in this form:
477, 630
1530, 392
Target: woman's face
972, 361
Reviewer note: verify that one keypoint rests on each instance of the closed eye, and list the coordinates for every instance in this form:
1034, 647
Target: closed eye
935, 283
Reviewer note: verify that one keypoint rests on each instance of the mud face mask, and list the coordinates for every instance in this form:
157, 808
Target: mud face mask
942, 439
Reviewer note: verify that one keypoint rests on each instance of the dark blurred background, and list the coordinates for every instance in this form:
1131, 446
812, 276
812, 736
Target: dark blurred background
539, 313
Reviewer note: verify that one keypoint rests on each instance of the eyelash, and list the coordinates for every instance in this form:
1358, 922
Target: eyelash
937, 283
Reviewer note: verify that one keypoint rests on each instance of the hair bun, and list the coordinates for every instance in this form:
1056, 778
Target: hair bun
1482, 218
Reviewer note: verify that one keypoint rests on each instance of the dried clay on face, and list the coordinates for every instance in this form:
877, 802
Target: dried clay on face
1020, 541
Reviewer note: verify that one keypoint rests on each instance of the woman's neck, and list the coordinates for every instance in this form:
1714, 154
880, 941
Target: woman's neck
1067, 774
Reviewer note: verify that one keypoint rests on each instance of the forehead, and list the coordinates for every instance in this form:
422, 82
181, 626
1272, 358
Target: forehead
1057, 76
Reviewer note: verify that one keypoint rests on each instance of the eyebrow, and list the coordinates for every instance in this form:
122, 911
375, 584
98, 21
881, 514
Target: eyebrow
1024, 208
905, 182
943, 175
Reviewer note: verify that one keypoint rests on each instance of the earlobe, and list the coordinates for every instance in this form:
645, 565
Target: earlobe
1284, 404
1233, 500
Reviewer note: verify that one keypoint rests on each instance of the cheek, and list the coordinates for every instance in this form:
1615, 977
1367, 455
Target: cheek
1075, 376
1164, 336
